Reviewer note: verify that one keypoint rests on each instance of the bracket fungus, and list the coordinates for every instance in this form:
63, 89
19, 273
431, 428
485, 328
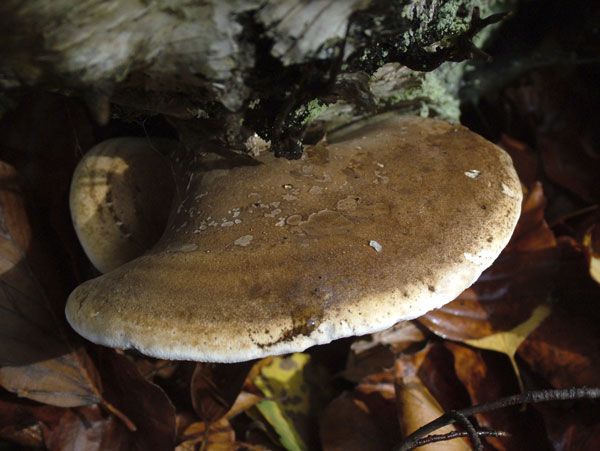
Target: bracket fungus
120, 198
378, 226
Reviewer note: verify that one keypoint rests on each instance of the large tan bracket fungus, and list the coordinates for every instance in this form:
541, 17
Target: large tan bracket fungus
390, 220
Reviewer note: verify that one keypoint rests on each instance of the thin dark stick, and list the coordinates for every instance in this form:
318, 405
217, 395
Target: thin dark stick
457, 434
467, 426
533, 396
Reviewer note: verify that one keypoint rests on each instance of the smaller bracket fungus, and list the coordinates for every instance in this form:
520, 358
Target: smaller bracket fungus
379, 226
121, 194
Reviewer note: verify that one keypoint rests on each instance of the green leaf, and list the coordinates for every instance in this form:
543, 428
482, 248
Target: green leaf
287, 411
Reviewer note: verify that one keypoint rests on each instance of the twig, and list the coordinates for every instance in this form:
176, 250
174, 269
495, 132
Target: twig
533, 396
457, 434
461, 419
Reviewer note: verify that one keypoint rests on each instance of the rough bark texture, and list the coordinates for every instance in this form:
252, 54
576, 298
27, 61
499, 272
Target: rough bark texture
240, 66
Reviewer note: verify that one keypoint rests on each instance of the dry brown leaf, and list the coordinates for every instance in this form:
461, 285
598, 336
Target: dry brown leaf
88, 428
365, 363
215, 387
67, 380
40, 361
243, 402
524, 158
434, 365
28, 437
488, 377
563, 119
417, 407
566, 161
565, 350
509, 341
150, 368
362, 419
376, 352
44, 138
21, 420
398, 337
142, 406
349, 423
218, 436
532, 232
571, 427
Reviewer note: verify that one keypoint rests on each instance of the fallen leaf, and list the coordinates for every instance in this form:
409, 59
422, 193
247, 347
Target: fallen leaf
151, 368
417, 407
376, 352
575, 289
41, 359
349, 423
364, 418
566, 161
508, 342
21, 420
27, 437
398, 337
142, 406
88, 428
565, 350
243, 402
217, 436
215, 387
369, 361
532, 232
44, 138
68, 380
177, 386
488, 377
561, 116
571, 426
434, 365
282, 380
295, 389
591, 240
524, 158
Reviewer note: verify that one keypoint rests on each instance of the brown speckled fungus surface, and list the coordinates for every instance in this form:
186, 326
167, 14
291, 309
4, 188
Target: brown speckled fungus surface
390, 220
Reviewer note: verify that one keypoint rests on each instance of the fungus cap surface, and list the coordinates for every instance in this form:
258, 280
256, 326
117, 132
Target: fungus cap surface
114, 218
393, 220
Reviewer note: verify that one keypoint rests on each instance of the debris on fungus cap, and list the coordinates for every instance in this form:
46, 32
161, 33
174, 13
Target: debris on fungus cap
389, 220
120, 198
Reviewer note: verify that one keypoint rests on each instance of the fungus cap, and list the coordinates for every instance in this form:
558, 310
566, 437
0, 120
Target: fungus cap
115, 219
393, 219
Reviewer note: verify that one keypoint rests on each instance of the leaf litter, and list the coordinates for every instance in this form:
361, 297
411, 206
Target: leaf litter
537, 305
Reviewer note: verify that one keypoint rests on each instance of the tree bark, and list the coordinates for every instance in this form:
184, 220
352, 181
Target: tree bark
234, 67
